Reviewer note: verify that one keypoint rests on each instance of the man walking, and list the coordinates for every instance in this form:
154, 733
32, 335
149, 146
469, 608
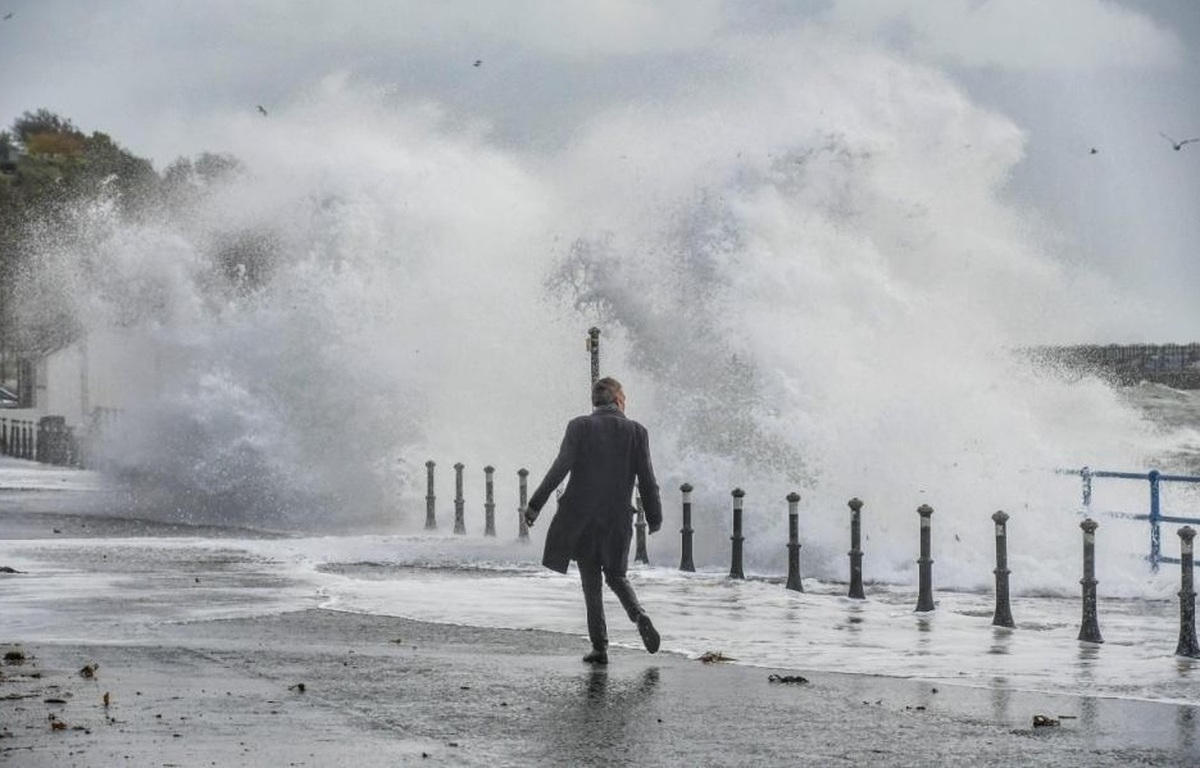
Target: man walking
604, 453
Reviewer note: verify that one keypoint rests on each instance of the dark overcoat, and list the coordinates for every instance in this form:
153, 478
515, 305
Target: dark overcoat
604, 453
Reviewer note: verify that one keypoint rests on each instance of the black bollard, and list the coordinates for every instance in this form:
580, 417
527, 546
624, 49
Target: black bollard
735, 568
1089, 631
430, 518
925, 562
793, 578
1187, 597
460, 525
685, 560
523, 485
1003, 614
640, 555
593, 346
856, 555
489, 504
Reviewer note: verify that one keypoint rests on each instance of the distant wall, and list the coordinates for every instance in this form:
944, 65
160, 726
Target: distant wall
1175, 365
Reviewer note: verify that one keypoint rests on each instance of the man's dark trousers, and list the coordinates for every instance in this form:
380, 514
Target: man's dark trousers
593, 575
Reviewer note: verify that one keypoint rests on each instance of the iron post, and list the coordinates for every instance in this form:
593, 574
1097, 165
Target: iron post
460, 526
925, 562
1187, 596
523, 486
735, 568
640, 555
685, 559
430, 499
793, 579
489, 504
593, 346
856, 555
1003, 614
1089, 630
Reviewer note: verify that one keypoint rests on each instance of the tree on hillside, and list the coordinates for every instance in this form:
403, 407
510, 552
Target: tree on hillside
42, 121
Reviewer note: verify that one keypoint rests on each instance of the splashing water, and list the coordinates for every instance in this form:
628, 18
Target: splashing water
803, 261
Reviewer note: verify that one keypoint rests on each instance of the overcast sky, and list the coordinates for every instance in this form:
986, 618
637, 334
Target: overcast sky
170, 78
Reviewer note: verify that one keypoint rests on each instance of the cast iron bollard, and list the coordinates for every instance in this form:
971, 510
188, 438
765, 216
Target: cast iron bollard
489, 504
460, 526
523, 484
1187, 597
640, 555
1089, 631
430, 518
925, 562
793, 579
1003, 616
735, 568
685, 559
856, 555
593, 345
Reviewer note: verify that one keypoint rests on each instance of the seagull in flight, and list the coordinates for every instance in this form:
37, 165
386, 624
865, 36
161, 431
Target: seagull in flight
1178, 145
262, 109
7, 16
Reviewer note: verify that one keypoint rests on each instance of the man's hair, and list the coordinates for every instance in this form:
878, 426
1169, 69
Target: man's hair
604, 391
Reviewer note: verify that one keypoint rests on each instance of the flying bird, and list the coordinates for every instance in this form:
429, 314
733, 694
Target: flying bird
1177, 145
262, 109
478, 62
1093, 151
7, 16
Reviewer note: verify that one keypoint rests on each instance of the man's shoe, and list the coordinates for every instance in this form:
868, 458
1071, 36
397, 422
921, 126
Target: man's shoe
596, 657
649, 634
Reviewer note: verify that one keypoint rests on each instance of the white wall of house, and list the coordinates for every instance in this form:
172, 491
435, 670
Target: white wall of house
105, 369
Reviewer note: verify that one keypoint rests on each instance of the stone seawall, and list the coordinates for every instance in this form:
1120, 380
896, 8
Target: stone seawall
1175, 365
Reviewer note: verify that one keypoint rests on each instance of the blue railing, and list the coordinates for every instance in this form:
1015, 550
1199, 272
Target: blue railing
1155, 516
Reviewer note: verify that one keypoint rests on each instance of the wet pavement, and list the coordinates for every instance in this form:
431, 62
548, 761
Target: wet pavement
320, 687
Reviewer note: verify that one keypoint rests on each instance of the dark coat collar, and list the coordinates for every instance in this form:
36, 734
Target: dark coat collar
607, 410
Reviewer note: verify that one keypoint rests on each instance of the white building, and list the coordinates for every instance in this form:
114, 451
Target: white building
106, 370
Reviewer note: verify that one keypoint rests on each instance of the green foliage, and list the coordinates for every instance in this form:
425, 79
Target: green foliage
41, 122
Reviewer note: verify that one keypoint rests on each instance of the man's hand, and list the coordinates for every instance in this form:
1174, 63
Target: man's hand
530, 514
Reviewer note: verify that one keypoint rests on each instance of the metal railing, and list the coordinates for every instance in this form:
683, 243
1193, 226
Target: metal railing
1155, 517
